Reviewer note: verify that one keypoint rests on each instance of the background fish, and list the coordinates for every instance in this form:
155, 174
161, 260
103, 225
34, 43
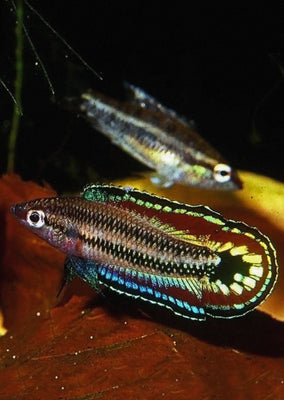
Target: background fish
159, 138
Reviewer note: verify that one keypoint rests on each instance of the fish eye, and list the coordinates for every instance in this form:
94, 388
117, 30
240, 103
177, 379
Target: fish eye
222, 172
35, 218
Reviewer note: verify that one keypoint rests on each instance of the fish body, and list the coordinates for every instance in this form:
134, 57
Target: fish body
188, 259
159, 138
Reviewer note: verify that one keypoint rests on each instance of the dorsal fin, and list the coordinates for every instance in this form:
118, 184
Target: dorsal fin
201, 240
142, 99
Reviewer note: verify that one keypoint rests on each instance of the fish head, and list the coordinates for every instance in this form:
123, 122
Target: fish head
48, 218
212, 175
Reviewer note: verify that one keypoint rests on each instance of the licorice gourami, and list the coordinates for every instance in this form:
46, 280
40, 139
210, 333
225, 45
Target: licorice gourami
159, 138
189, 259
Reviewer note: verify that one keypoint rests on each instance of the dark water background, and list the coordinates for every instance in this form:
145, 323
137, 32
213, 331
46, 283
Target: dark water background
218, 66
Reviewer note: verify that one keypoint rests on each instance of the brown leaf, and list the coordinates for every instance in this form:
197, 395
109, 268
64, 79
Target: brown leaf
87, 346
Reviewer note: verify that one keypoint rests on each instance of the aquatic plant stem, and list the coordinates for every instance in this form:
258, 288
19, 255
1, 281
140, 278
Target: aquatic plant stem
18, 87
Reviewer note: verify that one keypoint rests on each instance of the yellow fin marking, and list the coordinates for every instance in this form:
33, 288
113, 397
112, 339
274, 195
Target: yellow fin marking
240, 250
253, 258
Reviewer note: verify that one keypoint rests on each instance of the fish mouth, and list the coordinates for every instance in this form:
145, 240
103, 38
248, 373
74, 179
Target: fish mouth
14, 209
18, 211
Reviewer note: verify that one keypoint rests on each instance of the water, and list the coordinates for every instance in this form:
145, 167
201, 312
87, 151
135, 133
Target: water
209, 65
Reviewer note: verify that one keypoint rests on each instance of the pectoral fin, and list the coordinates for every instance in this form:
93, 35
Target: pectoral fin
161, 181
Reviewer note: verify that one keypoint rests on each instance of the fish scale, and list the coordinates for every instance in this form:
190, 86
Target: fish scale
110, 237
188, 259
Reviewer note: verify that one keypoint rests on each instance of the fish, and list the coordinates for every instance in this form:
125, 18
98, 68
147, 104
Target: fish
188, 259
160, 139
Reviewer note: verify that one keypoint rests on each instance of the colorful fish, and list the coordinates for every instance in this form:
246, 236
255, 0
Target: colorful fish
189, 259
159, 138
